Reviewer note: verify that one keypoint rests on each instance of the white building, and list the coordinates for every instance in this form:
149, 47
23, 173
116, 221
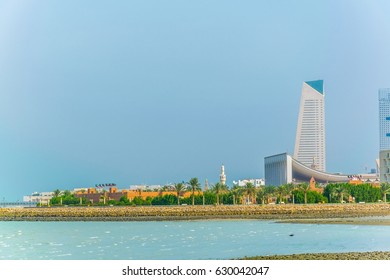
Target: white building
310, 135
255, 182
145, 187
283, 169
76, 190
42, 197
309, 154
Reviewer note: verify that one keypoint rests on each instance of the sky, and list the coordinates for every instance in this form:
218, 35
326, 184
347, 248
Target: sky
156, 92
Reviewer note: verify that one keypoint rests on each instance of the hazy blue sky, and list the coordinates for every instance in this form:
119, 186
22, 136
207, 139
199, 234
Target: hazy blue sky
152, 92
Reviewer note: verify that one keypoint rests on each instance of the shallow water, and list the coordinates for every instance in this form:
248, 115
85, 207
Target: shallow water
206, 239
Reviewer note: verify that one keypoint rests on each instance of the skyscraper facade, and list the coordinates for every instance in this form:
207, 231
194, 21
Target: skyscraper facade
384, 119
310, 135
384, 134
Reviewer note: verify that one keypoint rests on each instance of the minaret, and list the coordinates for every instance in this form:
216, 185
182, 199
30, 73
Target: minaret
222, 176
206, 185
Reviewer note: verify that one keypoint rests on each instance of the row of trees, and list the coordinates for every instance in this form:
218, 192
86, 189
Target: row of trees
66, 198
248, 194
359, 193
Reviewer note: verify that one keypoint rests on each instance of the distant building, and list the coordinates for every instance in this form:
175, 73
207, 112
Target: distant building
384, 134
384, 119
79, 190
255, 182
283, 169
145, 187
384, 168
308, 162
310, 134
42, 197
113, 193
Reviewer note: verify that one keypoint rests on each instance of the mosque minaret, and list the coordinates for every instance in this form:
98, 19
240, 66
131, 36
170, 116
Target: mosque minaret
222, 176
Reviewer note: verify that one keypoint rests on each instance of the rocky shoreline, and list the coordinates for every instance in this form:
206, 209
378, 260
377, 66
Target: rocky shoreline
327, 256
314, 213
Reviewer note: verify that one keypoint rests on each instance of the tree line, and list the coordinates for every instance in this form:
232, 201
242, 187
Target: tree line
247, 194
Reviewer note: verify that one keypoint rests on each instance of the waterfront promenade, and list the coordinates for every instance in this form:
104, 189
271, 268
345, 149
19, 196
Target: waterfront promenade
294, 213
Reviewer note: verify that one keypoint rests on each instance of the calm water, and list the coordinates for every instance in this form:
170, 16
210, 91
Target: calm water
211, 239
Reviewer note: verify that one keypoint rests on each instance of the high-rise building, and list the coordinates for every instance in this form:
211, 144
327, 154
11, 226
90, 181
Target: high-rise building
384, 119
384, 134
310, 135
309, 155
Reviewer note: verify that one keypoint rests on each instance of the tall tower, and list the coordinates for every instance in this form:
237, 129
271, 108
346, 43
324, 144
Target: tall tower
222, 176
384, 134
310, 137
384, 119
206, 185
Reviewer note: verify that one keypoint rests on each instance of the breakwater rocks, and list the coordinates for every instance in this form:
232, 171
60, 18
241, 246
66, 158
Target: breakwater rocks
327, 256
145, 213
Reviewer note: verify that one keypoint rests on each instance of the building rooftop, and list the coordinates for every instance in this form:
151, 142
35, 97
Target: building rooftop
318, 85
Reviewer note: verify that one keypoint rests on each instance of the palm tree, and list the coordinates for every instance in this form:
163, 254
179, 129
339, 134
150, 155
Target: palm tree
237, 193
56, 193
340, 191
385, 189
290, 187
304, 187
260, 194
195, 186
249, 190
281, 191
179, 188
218, 189
67, 193
269, 192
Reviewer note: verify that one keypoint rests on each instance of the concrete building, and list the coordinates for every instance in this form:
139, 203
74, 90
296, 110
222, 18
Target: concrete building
145, 187
309, 158
283, 169
42, 197
94, 196
310, 134
384, 169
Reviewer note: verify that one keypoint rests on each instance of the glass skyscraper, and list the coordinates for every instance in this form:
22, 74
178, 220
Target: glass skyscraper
384, 134
384, 119
310, 137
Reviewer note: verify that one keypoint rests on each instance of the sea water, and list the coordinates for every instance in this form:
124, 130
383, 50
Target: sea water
194, 240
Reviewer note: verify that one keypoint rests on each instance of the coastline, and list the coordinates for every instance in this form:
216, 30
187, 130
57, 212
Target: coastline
365, 214
367, 221
350, 256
